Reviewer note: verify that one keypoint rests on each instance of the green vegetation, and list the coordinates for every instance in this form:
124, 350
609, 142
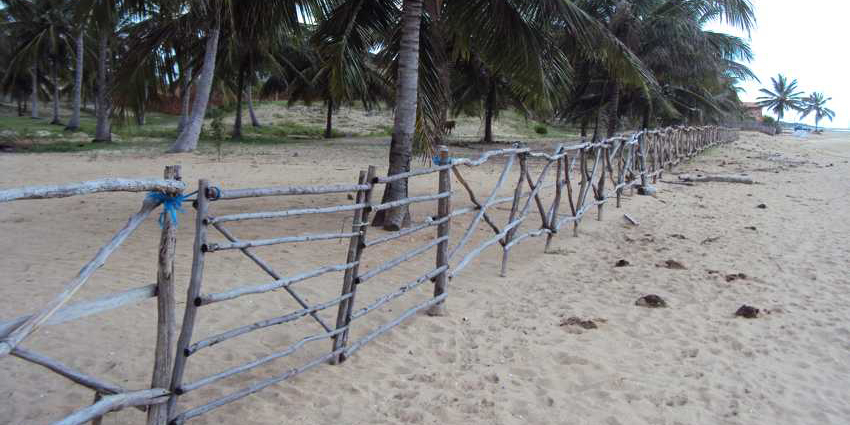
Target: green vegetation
541, 129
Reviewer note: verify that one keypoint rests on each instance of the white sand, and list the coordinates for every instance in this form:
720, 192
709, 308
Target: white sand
500, 355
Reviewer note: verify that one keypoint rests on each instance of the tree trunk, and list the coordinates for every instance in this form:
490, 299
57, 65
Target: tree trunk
254, 121
489, 110
102, 132
143, 102
185, 97
54, 74
583, 128
611, 110
404, 125
329, 120
34, 94
237, 123
74, 122
140, 115
438, 33
188, 139
647, 117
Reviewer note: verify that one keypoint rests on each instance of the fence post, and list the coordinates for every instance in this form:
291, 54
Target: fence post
642, 159
444, 209
556, 203
523, 164
166, 322
198, 254
581, 189
355, 251
600, 188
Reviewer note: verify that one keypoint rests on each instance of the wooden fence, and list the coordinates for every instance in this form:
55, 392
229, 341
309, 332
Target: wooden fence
575, 177
108, 396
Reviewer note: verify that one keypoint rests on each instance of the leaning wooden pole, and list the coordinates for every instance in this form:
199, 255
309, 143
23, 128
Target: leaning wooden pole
166, 321
202, 207
444, 210
600, 187
523, 163
356, 245
556, 203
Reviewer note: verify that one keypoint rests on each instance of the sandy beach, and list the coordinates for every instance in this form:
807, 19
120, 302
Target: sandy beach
502, 355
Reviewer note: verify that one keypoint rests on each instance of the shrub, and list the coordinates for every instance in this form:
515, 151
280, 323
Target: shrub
541, 129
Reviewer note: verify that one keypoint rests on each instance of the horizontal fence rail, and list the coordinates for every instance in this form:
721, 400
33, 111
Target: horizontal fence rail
535, 194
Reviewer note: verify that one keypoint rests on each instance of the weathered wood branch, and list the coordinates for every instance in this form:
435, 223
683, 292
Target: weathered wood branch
206, 299
233, 333
715, 178
398, 260
86, 308
115, 402
88, 187
212, 247
288, 190
284, 214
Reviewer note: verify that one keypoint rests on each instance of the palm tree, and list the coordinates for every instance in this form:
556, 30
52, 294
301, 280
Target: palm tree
783, 97
228, 18
816, 102
404, 124
42, 31
79, 52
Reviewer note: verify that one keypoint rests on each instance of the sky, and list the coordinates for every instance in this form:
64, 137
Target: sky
806, 40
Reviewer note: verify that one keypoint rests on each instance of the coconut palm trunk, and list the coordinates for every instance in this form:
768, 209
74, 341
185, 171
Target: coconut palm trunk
612, 110
438, 31
185, 98
489, 111
250, 99
188, 139
237, 123
102, 132
404, 125
329, 120
34, 93
54, 75
74, 122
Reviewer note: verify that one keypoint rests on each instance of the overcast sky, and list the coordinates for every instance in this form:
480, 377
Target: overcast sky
806, 40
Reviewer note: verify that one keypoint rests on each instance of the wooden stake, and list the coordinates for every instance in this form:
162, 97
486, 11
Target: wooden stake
600, 190
444, 209
193, 291
517, 194
556, 203
355, 251
166, 321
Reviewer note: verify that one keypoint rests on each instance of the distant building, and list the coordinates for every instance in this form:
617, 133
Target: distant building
753, 111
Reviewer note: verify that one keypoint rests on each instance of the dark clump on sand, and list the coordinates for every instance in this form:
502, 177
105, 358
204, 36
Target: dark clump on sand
747, 311
651, 301
576, 321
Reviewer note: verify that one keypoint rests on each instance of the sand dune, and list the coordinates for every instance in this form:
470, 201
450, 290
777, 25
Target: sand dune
501, 356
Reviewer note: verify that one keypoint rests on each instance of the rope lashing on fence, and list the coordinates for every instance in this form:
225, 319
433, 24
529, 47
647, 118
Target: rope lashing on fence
216, 193
171, 205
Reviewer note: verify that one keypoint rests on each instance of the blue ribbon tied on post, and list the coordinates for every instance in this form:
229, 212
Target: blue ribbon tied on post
171, 205
436, 160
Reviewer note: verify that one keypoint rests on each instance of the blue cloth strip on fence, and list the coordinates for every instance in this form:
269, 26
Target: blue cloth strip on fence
170, 205
436, 160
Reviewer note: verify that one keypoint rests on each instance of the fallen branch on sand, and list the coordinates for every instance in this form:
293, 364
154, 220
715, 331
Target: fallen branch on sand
716, 178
